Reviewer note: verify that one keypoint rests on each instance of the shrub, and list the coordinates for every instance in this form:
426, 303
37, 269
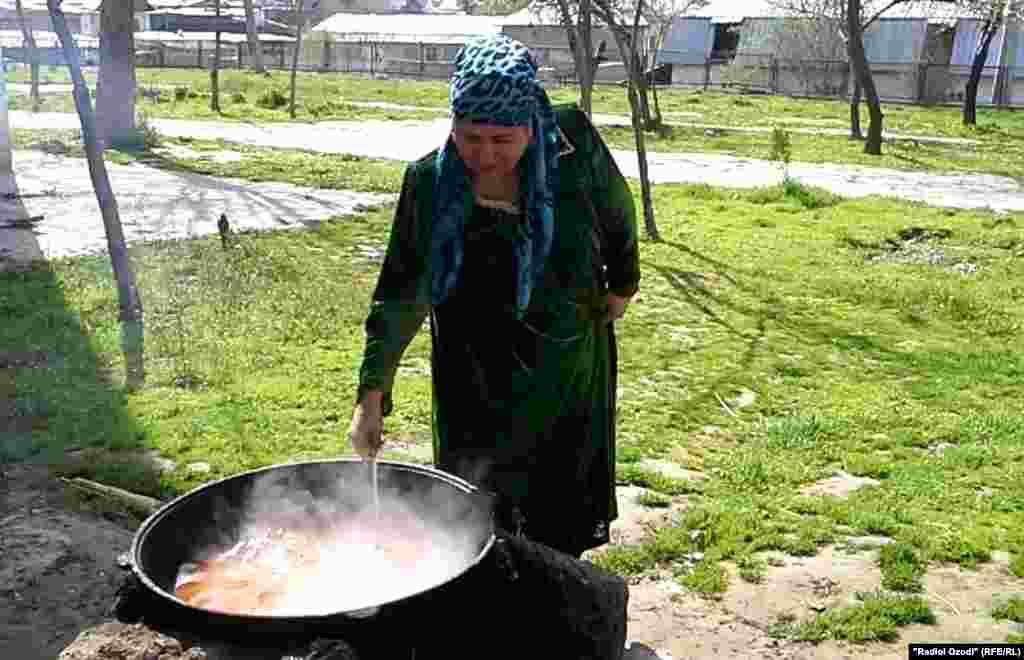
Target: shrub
272, 99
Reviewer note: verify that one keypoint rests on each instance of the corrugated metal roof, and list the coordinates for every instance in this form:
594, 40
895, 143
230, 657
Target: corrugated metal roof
410, 27
546, 15
734, 11
226, 37
15, 39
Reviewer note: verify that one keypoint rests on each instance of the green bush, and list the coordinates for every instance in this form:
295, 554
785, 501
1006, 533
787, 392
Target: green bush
272, 99
181, 93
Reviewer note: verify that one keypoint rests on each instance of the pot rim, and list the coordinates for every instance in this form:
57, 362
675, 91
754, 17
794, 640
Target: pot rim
134, 553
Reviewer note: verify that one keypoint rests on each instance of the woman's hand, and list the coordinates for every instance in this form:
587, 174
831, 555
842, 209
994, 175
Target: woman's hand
616, 306
366, 431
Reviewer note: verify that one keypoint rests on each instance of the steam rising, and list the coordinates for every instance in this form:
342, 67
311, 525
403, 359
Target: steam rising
305, 542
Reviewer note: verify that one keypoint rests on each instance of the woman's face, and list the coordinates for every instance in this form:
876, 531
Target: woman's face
490, 150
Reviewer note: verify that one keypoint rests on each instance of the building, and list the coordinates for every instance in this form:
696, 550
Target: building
1002, 79
405, 44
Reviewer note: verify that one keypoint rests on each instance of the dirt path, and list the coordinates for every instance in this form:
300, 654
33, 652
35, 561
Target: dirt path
56, 192
408, 140
680, 625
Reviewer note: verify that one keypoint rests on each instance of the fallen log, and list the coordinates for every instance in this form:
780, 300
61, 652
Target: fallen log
140, 504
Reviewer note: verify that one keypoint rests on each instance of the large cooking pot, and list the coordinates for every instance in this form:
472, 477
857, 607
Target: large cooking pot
213, 514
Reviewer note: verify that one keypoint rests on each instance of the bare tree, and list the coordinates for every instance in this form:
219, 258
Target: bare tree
115, 85
994, 15
576, 18
661, 14
295, 54
131, 316
852, 18
31, 54
252, 36
215, 69
628, 43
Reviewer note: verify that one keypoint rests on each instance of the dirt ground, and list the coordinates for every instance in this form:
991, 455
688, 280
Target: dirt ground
58, 570
58, 578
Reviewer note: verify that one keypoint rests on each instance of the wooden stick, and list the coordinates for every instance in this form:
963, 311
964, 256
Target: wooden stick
134, 501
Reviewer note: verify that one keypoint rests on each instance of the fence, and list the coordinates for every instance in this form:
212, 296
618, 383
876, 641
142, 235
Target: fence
926, 82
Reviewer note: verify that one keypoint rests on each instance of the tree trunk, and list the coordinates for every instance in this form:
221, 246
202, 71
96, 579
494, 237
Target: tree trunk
855, 131
215, 69
629, 57
859, 63
115, 85
31, 54
988, 33
255, 48
132, 335
579, 35
295, 53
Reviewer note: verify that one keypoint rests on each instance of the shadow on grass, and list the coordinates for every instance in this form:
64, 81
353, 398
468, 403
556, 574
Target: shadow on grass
60, 406
968, 368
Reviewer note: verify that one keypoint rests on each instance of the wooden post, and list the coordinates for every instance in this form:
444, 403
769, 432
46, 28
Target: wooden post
199, 62
161, 52
239, 54
328, 55
373, 57
423, 61
775, 75
707, 73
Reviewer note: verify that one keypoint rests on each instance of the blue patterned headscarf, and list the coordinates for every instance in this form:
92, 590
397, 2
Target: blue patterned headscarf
495, 82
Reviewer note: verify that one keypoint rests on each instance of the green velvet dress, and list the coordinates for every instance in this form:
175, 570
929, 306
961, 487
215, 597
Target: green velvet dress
524, 407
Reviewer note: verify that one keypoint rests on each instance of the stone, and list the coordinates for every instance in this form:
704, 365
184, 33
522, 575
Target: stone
671, 470
744, 399
199, 467
842, 485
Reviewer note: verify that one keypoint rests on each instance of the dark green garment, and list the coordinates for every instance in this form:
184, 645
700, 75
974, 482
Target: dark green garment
525, 408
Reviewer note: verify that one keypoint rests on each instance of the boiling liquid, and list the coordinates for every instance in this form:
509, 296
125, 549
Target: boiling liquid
348, 564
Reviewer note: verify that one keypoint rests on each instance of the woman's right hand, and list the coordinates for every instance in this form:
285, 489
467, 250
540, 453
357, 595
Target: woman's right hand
366, 431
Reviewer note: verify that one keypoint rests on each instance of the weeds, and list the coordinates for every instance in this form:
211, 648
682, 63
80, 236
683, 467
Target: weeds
902, 567
877, 618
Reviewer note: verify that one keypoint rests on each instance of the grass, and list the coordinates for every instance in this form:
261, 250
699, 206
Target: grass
864, 365
877, 619
1000, 134
1011, 610
902, 567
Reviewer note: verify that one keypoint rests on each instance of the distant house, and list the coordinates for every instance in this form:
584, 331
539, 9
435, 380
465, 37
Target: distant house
201, 17
540, 27
407, 44
1002, 79
83, 16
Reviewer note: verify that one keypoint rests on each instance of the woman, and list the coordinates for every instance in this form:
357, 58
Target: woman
518, 239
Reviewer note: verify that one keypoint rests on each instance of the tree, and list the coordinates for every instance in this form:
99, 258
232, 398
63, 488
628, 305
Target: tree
115, 85
131, 315
660, 15
295, 54
628, 43
577, 22
851, 18
255, 47
994, 15
215, 69
31, 54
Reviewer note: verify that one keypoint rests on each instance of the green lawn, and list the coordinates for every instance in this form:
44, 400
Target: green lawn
247, 97
902, 371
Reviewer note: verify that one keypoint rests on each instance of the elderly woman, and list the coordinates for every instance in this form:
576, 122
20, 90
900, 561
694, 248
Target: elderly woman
517, 238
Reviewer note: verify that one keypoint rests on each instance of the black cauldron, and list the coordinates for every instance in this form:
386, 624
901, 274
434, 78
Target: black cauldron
215, 513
